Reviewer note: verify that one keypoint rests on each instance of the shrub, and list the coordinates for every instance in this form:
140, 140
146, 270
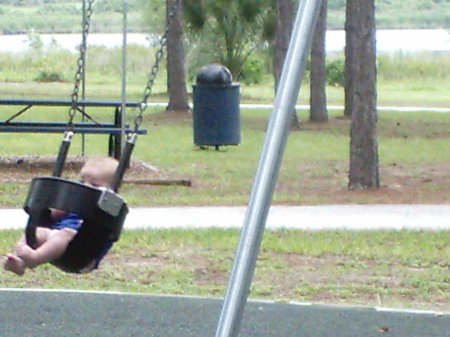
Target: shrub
252, 70
49, 76
335, 70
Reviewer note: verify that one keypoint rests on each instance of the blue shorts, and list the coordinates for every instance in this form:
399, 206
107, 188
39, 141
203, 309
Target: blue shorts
70, 220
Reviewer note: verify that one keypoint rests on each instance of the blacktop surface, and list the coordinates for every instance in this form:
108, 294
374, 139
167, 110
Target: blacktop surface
41, 313
395, 217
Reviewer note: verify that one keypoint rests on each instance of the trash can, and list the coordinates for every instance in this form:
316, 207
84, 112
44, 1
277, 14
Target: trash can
216, 112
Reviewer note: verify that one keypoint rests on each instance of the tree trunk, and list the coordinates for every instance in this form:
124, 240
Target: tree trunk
176, 79
350, 66
363, 140
285, 11
318, 97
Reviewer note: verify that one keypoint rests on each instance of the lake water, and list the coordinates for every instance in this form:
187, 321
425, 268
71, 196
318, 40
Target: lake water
387, 40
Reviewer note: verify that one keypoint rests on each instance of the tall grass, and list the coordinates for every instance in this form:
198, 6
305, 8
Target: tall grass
406, 66
103, 65
402, 78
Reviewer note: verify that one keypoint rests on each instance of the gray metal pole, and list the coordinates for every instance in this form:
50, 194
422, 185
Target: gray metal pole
124, 72
266, 175
83, 75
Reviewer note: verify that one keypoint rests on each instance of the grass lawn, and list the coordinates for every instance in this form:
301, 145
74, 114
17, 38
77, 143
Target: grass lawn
400, 268
381, 268
413, 150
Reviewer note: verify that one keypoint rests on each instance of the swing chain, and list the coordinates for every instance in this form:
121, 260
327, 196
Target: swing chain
80, 63
154, 70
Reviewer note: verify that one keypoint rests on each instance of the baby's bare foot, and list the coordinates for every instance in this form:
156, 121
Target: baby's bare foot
28, 255
14, 264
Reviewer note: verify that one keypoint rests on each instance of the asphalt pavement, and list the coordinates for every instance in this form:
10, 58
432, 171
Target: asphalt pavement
94, 314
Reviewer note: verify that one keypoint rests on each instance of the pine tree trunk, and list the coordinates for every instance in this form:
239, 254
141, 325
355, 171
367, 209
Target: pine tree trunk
363, 171
285, 10
350, 50
318, 98
176, 80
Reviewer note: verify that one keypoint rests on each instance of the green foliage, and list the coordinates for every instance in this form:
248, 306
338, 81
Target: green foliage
269, 26
401, 66
54, 16
250, 9
194, 14
336, 4
231, 29
154, 16
109, 6
58, 9
253, 70
335, 70
65, 17
398, 14
49, 76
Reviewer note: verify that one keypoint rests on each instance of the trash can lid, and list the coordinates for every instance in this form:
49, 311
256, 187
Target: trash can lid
214, 74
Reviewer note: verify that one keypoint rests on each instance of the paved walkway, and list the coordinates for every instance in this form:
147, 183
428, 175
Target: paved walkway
426, 217
331, 107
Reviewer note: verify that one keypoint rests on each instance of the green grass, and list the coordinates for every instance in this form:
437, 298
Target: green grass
402, 269
412, 146
417, 79
362, 267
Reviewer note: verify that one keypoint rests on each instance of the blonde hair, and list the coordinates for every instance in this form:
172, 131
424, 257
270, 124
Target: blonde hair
100, 170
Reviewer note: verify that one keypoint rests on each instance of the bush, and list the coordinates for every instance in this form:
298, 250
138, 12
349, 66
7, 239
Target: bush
49, 76
335, 70
252, 70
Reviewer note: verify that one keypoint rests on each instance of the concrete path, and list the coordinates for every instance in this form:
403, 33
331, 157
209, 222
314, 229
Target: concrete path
331, 107
396, 217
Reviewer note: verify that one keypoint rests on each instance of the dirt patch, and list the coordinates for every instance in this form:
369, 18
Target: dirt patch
317, 183
22, 168
400, 184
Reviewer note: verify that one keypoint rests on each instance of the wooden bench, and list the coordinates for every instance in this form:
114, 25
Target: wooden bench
88, 126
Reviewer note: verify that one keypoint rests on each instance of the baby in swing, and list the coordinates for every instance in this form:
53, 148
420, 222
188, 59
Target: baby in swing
52, 242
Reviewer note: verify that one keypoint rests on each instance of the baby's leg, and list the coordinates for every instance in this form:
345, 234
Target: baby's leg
49, 250
42, 234
15, 264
